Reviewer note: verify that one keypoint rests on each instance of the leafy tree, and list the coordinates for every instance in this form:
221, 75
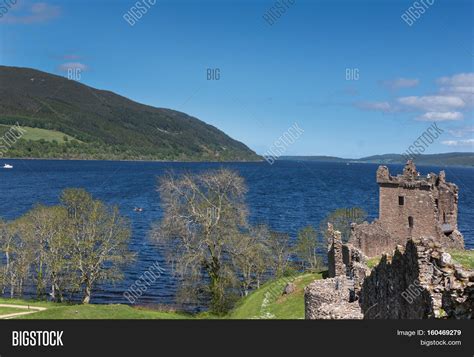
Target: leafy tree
306, 249
341, 219
99, 239
45, 231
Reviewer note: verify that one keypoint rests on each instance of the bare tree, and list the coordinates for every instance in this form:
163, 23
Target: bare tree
19, 255
5, 247
279, 245
252, 256
204, 215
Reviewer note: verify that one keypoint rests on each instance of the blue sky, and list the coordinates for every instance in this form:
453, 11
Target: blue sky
405, 76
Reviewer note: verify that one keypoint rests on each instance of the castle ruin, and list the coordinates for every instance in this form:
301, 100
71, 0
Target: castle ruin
415, 277
410, 206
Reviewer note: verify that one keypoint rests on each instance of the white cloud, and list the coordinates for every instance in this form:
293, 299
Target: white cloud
401, 83
458, 80
460, 85
468, 142
451, 100
376, 106
460, 132
432, 103
38, 12
440, 116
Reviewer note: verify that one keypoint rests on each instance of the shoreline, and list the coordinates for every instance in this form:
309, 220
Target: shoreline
230, 162
126, 160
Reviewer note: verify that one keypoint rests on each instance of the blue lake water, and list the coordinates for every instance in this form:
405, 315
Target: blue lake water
286, 195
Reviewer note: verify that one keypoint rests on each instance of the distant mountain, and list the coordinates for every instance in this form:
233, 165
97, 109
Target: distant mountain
98, 124
447, 159
315, 158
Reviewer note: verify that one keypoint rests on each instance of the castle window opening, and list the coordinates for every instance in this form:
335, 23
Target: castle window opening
401, 200
410, 222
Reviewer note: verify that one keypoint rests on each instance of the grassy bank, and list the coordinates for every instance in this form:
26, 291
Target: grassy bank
268, 302
264, 303
92, 311
463, 257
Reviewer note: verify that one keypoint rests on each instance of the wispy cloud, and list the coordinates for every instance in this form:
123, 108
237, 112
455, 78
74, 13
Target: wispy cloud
375, 106
432, 102
455, 95
31, 13
461, 132
468, 142
440, 116
460, 85
400, 83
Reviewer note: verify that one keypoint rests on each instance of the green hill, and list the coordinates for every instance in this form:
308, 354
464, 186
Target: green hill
268, 302
99, 124
445, 159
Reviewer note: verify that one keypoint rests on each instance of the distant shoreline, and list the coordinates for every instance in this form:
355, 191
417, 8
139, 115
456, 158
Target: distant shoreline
461, 159
285, 158
125, 160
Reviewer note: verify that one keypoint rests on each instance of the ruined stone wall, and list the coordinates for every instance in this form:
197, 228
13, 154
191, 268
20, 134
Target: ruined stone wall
330, 299
418, 281
447, 202
372, 239
336, 265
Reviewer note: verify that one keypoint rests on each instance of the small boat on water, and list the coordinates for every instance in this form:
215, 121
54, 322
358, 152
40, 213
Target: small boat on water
6, 166
138, 209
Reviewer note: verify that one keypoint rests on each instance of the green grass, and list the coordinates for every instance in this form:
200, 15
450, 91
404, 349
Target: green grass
36, 134
372, 262
92, 311
464, 257
268, 301
10, 310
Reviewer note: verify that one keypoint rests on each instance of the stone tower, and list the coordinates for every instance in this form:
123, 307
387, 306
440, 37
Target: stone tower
410, 206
